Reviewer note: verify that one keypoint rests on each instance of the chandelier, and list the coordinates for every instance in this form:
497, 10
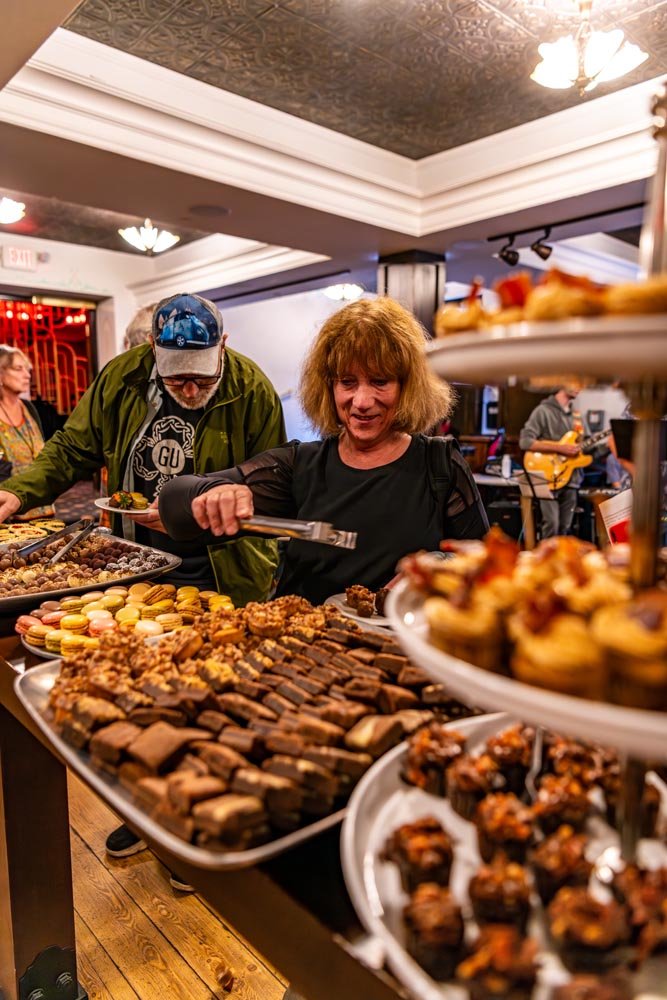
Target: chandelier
148, 238
587, 58
11, 211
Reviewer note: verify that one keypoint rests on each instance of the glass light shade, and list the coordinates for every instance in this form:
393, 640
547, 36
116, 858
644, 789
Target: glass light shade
343, 293
11, 211
559, 67
627, 58
148, 238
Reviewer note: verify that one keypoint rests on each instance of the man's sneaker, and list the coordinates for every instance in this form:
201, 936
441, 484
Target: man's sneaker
122, 843
176, 883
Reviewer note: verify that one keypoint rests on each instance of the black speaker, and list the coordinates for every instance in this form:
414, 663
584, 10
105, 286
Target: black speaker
506, 515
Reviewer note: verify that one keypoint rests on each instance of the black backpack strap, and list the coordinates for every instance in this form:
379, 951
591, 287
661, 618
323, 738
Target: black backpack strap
439, 465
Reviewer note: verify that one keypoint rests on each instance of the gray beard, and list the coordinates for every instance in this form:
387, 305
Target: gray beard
198, 402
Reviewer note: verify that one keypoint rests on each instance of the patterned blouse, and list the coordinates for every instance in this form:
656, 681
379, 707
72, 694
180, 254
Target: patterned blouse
21, 445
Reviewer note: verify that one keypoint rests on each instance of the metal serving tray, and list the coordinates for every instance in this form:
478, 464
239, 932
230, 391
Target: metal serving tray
23, 602
33, 688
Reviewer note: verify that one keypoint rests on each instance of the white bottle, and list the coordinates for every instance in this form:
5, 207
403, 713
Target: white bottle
506, 466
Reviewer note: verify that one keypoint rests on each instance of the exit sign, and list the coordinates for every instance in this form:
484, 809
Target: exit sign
19, 258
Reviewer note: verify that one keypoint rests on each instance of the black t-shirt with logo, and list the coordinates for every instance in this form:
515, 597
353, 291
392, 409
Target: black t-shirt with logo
165, 451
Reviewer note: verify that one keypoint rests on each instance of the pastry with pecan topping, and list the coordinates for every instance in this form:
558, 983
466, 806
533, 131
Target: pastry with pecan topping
644, 893
431, 750
423, 852
561, 800
434, 927
512, 751
560, 860
588, 934
469, 779
614, 986
500, 966
504, 823
500, 893
634, 637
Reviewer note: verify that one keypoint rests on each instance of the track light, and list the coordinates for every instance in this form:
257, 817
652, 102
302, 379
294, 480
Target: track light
508, 255
539, 247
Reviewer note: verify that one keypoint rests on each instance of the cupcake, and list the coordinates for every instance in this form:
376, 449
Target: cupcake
512, 750
589, 935
434, 930
500, 893
561, 800
470, 631
644, 894
577, 760
469, 779
500, 966
555, 650
634, 637
504, 824
431, 750
615, 986
560, 860
423, 852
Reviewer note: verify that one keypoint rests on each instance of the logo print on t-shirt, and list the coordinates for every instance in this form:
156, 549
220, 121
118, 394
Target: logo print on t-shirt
164, 453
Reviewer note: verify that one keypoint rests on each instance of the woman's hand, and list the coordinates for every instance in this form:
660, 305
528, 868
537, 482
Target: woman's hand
220, 509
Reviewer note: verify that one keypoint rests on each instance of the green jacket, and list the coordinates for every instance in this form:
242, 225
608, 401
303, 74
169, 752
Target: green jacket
243, 419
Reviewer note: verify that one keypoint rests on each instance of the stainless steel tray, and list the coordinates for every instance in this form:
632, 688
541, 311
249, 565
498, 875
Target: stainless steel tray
33, 689
23, 602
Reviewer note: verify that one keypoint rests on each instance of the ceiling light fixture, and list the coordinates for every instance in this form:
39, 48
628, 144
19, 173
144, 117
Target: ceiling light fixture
587, 58
11, 211
542, 249
148, 238
344, 293
508, 255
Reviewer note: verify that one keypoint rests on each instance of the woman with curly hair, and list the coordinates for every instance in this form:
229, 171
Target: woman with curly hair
367, 388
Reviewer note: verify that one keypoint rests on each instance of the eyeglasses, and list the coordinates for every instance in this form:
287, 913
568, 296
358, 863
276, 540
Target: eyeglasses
202, 382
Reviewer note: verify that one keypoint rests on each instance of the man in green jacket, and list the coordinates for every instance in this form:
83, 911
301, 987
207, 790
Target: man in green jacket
181, 403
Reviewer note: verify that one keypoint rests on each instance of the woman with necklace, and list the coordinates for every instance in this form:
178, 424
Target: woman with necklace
21, 437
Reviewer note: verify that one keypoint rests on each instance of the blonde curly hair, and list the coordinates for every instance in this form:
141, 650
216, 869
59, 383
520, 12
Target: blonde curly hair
384, 340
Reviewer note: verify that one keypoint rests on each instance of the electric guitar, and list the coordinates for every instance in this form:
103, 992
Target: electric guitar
557, 469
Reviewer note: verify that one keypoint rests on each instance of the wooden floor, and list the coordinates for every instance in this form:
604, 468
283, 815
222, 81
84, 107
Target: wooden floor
137, 938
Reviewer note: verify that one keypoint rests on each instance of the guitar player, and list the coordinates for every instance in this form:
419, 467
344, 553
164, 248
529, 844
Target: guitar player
542, 432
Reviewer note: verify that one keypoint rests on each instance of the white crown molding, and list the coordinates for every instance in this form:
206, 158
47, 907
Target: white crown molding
214, 272
99, 96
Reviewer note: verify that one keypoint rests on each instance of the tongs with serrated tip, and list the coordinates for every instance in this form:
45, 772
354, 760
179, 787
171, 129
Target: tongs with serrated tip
306, 531
82, 528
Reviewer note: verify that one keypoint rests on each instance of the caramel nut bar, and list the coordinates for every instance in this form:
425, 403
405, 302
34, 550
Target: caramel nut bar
220, 676
148, 792
374, 734
319, 731
194, 764
339, 761
220, 760
280, 794
304, 772
130, 772
290, 744
180, 825
157, 746
391, 662
245, 741
344, 713
103, 765
292, 693
394, 698
359, 689
188, 789
110, 742
157, 713
91, 713
229, 814
277, 702
213, 721
241, 707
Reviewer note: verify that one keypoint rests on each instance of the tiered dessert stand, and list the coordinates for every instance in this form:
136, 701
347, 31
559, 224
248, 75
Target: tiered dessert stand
633, 351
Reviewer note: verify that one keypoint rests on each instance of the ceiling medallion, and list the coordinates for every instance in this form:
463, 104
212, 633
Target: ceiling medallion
587, 58
11, 211
148, 238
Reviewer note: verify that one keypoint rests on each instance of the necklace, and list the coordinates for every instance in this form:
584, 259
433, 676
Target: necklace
28, 438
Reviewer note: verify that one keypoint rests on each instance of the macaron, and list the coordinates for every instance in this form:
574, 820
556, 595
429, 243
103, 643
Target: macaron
187, 593
113, 602
71, 604
74, 623
50, 605
53, 617
128, 614
98, 613
36, 635
100, 625
90, 641
25, 622
53, 639
147, 628
169, 621
39, 613
71, 643
93, 596
139, 589
116, 592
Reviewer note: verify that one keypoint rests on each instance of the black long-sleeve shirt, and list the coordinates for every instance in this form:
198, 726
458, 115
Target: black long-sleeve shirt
394, 509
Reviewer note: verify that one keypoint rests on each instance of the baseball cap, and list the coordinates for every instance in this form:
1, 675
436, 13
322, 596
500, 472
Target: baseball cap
187, 331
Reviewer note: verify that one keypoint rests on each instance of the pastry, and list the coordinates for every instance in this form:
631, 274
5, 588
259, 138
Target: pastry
500, 966
504, 824
434, 930
589, 934
634, 638
500, 894
422, 851
469, 779
560, 860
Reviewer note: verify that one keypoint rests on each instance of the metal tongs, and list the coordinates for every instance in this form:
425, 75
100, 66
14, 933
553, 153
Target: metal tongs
306, 531
82, 529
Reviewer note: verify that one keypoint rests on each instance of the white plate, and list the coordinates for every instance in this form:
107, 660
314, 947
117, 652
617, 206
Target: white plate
380, 803
339, 602
641, 733
607, 347
103, 504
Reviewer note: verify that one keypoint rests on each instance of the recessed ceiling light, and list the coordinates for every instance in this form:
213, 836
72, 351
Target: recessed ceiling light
208, 211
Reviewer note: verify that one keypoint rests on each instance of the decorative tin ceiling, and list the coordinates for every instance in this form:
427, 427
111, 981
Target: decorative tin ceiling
412, 76
51, 219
